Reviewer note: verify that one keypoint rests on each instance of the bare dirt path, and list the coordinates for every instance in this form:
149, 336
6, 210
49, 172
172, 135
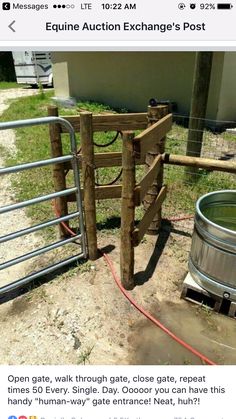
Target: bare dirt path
18, 219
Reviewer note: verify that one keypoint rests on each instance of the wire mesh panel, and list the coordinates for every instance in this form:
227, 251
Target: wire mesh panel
184, 186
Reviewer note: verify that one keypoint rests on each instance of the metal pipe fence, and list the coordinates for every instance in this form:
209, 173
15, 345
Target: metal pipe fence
38, 227
37, 200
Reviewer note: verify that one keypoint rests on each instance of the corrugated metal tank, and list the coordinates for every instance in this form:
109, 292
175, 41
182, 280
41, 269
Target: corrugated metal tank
212, 261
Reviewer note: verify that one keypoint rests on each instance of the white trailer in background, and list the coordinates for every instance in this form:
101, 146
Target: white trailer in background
33, 67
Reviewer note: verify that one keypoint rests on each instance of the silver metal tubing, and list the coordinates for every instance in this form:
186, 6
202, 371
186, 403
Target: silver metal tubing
35, 275
209, 284
75, 165
36, 121
38, 252
37, 200
32, 165
43, 121
37, 227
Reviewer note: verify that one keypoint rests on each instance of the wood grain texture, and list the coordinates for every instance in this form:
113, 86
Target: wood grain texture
143, 225
111, 122
127, 212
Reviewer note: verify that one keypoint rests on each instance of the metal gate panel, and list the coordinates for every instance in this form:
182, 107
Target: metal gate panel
78, 213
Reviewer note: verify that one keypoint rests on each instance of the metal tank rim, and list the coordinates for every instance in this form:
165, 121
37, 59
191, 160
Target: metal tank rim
213, 250
207, 222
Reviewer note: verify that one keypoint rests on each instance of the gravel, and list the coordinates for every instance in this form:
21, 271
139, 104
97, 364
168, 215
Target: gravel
17, 219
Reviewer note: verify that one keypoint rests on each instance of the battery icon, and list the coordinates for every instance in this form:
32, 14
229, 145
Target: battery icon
224, 6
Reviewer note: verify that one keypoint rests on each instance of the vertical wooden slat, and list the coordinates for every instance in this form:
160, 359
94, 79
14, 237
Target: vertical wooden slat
154, 114
59, 178
127, 211
86, 133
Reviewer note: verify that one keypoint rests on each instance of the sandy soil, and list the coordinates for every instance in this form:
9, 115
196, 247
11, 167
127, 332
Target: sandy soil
18, 218
81, 317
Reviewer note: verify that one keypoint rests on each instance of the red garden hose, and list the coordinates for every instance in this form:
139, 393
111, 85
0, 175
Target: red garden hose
138, 307
153, 319
184, 217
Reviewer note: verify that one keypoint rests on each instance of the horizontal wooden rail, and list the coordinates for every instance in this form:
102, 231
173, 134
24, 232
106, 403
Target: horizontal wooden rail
210, 164
112, 122
109, 159
143, 225
147, 181
144, 142
101, 192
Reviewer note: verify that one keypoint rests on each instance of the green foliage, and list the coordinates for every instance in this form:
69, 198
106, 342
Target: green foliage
85, 355
7, 70
9, 85
41, 91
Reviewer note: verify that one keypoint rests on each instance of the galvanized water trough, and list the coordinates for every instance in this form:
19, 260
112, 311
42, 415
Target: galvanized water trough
212, 261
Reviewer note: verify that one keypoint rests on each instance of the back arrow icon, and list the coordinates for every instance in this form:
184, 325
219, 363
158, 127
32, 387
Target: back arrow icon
11, 26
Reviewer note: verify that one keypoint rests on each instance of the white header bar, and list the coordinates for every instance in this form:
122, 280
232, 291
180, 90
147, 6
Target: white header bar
102, 24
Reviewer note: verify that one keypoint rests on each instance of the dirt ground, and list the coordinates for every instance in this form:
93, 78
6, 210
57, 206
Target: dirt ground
13, 248
81, 317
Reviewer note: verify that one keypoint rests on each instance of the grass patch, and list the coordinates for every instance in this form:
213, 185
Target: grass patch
182, 197
184, 190
10, 85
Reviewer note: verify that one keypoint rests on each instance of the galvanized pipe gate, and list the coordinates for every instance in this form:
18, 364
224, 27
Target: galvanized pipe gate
79, 213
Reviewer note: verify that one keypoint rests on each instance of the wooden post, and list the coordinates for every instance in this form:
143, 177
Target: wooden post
59, 178
200, 89
86, 133
127, 211
154, 114
199, 162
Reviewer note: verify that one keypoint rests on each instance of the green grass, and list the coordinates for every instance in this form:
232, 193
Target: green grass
9, 85
33, 144
184, 190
